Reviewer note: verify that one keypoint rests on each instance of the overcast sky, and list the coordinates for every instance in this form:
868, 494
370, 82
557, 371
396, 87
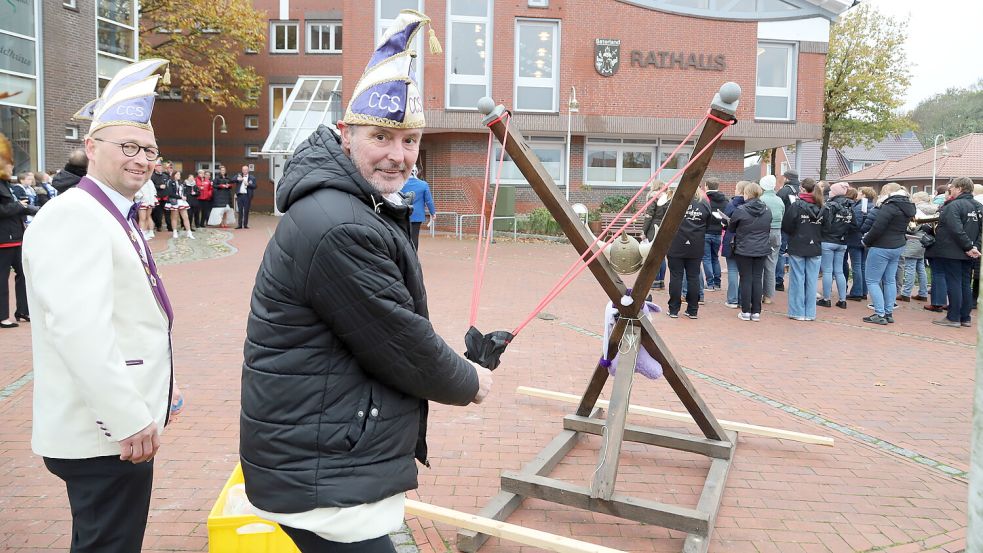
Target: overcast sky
944, 46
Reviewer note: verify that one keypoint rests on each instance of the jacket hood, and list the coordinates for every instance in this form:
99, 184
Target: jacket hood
321, 163
903, 203
756, 207
716, 195
809, 207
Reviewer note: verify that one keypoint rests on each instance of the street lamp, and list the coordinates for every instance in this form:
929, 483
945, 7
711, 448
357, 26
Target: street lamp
573, 106
223, 130
935, 151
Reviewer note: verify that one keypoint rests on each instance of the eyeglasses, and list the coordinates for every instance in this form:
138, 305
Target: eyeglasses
131, 149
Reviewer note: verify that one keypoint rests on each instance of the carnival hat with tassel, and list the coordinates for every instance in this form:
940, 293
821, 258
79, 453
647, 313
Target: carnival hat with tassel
387, 95
129, 97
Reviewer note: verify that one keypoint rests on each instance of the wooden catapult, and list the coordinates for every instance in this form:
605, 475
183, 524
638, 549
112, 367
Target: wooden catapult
716, 443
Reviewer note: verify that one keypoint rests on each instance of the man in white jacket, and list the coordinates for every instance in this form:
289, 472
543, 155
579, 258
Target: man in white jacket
103, 374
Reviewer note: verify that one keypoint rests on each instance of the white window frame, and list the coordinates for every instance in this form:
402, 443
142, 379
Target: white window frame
334, 26
535, 82
206, 166
535, 143
252, 151
286, 25
71, 132
382, 24
288, 88
656, 146
100, 81
792, 73
471, 80
70, 4
251, 122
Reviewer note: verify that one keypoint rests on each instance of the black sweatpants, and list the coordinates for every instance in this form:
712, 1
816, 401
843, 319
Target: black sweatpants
415, 234
309, 542
677, 265
751, 270
10, 258
110, 500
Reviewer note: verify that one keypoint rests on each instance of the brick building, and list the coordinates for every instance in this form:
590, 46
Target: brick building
643, 72
54, 57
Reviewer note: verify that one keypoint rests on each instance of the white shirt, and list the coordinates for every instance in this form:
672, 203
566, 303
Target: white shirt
244, 185
347, 524
123, 205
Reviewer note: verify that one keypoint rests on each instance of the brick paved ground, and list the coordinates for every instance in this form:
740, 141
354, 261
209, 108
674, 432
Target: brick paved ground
897, 399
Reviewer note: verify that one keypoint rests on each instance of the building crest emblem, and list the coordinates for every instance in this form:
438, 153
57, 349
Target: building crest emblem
607, 56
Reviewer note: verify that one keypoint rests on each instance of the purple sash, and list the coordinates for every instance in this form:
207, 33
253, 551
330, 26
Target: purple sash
149, 267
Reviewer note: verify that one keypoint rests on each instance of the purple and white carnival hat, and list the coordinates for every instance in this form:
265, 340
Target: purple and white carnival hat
387, 95
129, 97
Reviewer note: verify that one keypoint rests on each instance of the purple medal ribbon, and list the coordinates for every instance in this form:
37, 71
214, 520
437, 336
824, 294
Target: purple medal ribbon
156, 284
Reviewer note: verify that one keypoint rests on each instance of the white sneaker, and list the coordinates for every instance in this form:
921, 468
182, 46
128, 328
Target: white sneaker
755, 317
732, 305
744, 316
191, 236
175, 235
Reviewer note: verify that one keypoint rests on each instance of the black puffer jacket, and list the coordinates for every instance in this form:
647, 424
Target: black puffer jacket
12, 214
340, 357
688, 241
958, 230
68, 177
890, 223
751, 225
718, 201
802, 223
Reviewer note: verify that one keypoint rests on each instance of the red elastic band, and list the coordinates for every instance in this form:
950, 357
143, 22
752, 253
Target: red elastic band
719, 120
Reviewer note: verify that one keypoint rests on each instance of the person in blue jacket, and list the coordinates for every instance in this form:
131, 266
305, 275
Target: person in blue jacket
419, 192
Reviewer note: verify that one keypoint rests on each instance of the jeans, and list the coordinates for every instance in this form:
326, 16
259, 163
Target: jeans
940, 291
733, 281
711, 260
677, 267
751, 269
958, 281
802, 286
782, 260
913, 267
699, 278
660, 279
858, 257
768, 284
832, 265
882, 265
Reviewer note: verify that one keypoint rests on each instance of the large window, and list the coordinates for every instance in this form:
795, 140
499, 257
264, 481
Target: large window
324, 37
283, 37
550, 151
617, 162
537, 59
775, 92
278, 98
19, 81
116, 36
469, 53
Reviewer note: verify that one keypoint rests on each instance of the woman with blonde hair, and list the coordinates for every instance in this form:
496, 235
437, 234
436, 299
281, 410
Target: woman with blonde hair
802, 224
885, 242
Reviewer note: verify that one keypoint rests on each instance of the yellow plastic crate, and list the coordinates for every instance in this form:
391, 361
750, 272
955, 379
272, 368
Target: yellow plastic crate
244, 533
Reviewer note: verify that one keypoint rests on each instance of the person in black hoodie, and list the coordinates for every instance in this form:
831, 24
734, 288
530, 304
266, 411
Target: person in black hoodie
12, 213
885, 241
957, 246
837, 224
72, 173
788, 193
685, 254
654, 215
711, 250
802, 223
751, 228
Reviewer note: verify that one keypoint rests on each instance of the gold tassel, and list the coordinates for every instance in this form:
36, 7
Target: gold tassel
434, 43
167, 76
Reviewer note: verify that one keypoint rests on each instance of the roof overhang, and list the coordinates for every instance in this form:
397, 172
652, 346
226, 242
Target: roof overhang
796, 9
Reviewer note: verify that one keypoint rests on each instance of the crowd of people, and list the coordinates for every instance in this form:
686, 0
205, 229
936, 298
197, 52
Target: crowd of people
883, 241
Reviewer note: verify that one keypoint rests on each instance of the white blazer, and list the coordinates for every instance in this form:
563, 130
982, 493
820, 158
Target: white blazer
102, 359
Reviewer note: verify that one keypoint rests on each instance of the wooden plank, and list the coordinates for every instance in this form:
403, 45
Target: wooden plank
683, 417
652, 436
602, 485
631, 508
504, 530
505, 503
710, 500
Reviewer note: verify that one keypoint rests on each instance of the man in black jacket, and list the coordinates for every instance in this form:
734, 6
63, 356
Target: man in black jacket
684, 256
72, 173
711, 251
160, 180
340, 358
957, 245
788, 194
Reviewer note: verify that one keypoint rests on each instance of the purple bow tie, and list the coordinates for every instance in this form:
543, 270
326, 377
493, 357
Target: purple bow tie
132, 215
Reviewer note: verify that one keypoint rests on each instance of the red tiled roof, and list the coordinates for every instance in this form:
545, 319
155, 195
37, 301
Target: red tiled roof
965, 159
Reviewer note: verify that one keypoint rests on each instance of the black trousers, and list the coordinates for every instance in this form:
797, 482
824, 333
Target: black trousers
691, 266
110, 500
751, 270
204, 210
309, 542
10, 258
415, 234
194, 211
242, 203
157, 215
958, 283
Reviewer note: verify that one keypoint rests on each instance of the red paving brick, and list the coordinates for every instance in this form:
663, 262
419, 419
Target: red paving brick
909, 384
